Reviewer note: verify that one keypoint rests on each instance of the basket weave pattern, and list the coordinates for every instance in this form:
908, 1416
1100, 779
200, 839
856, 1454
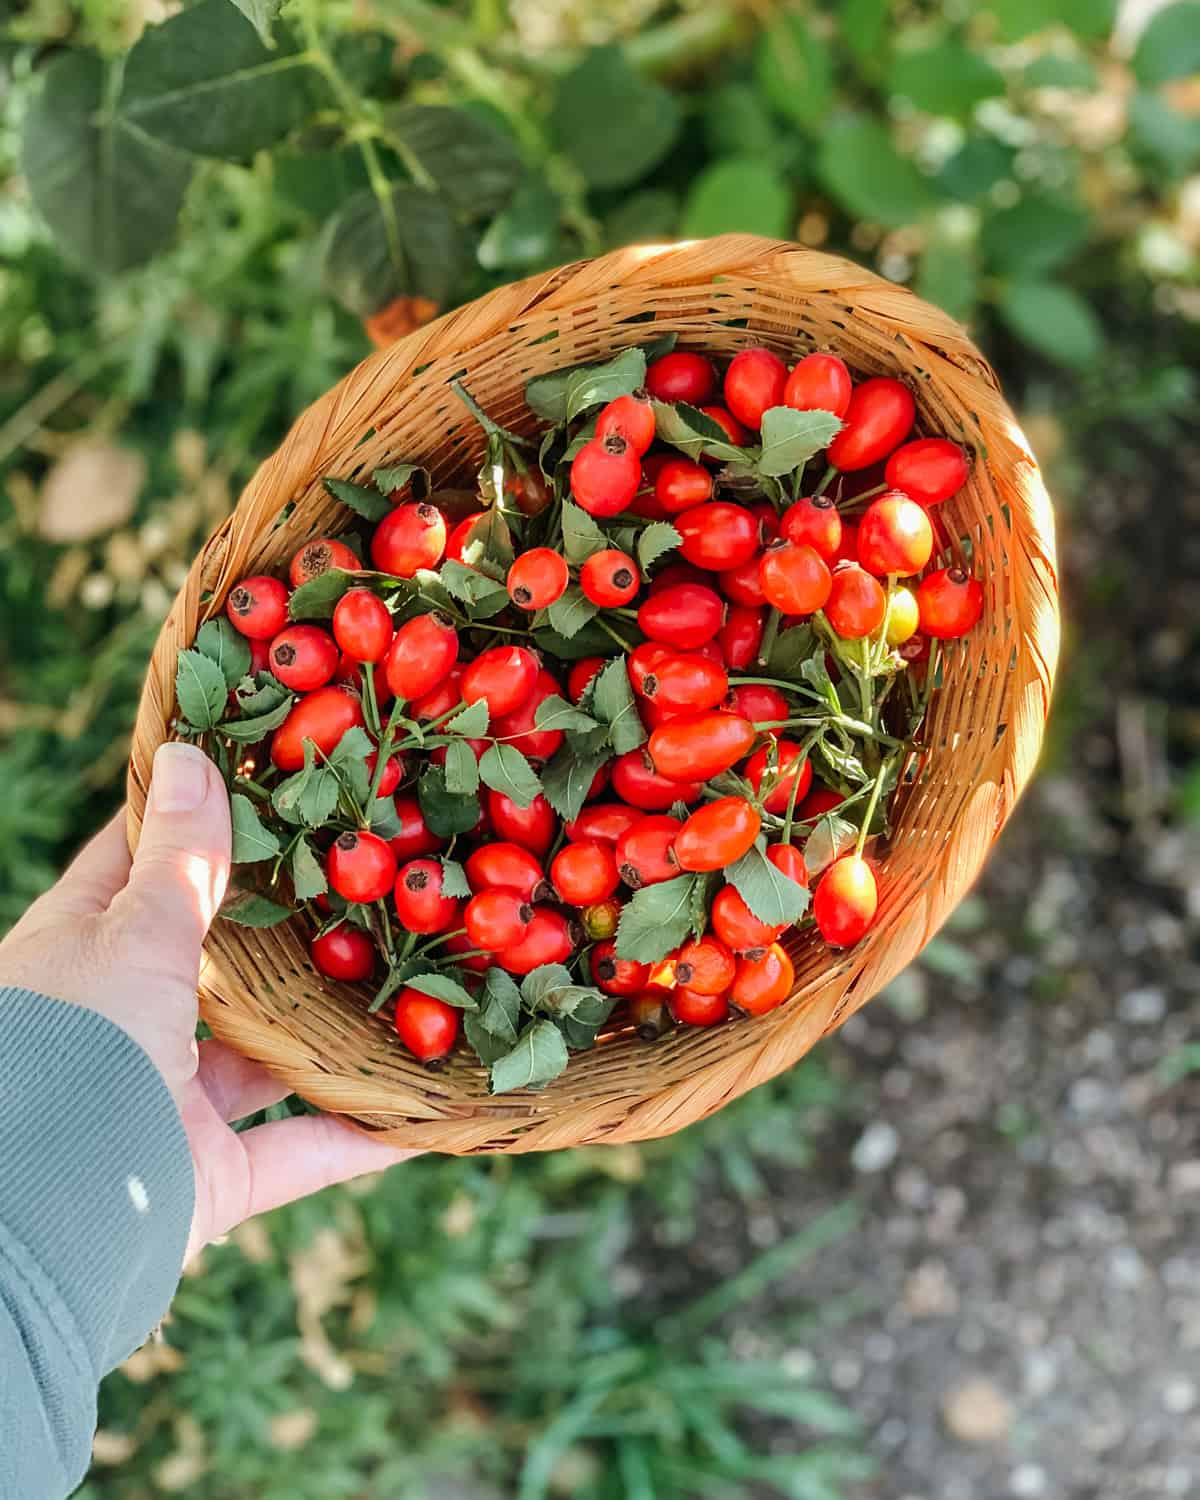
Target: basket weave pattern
260, 994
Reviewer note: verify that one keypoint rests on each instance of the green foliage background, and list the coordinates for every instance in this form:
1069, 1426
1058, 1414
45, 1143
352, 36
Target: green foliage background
198, 213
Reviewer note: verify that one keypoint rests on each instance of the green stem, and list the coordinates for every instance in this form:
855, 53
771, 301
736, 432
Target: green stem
770, 636
608, 630
383, 754
826, 480
370, 701
871, 806
809, 741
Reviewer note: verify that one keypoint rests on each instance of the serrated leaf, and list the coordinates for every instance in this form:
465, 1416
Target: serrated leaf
252, 840
249, 909
259, 695
581, 536
472, 722
484, 596
200, 689
354, 745
843, 765
261, 14
383, 819
541, 982
220, 642
571, 611
500, 1006
613, 703
793, 646
656, 919
692, 432
700, 901
454, 879
442, 987
488, 546
831, 837
771, 895
597, 385
540, 1054
461, 769
589, 1012
476, 165
590, 641
568, 777
110, 194
446, 813
790, 438
308, 878
815, 673
248, 731
316, 599
655, 539
489, 1046
505, 769
406, 243
360, 498
388, 481
203, 82
556, 713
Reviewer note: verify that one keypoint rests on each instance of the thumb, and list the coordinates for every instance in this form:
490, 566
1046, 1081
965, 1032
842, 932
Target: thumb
181, 865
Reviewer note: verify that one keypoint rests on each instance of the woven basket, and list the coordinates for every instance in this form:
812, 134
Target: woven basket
259, 992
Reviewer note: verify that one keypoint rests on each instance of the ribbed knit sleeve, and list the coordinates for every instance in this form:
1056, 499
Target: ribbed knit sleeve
96, 1199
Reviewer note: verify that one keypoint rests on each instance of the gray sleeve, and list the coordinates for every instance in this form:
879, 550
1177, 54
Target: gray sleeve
96, 1198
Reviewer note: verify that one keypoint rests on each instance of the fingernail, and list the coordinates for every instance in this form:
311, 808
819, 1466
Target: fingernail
180, 779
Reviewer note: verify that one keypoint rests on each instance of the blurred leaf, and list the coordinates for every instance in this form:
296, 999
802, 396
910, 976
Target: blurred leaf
975, 168
738, 123
110, 195
862, 169
539, 1055
1054, 320
613, 123
526, 230
474, 165
946, 276
1053, 71
379, 249
795, 70
864, 24
739, 193
319, 182
1170, 45
944, 79
202, 81
261, 14
1019, 18
643, 217
1169, 138
1035, 234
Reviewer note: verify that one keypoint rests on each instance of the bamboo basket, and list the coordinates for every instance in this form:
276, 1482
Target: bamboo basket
259, 992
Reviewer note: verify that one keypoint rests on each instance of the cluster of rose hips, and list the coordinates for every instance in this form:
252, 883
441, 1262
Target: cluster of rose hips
543, 891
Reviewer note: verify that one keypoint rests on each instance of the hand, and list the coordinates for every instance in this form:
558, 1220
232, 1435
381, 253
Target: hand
123, 937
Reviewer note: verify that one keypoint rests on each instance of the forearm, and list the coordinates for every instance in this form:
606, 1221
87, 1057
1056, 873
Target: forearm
96, 1197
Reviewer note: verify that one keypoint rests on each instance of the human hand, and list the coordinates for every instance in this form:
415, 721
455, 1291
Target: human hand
123, 937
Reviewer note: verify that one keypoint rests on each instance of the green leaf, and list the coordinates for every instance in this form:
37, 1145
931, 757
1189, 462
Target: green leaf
1170, 45
790, 438
861, 167
590, 641
475, 165
556, 713
1171, 140
318, 182
581, 536
1054, 71
252, 841
259, 695
613, 703
249, 909
863, 24
539, 1055
944, 79
445, 812
656, 919
1036, 234
770, 894
489, 1047
795, 70
361, 499
975, 168
571, 611
202, 81
842, 765
567, 778
597, 385
493, 1030
738, 193
1054, 320
472, 721
316, 599
454, 879
948, 277
489, 544
700, 902
525, 232
354, 745
692, 432
248, 731
792, 647
308, 877
613, 123
383, 819
505, 769
483, 596
831, 837
405, 243
110, 195
655, 540
461, 769
442, 987
737, 122
589, 1011
318, 797
200, 689
540, 985
644, 217
261, 14
388, 481
220, 642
